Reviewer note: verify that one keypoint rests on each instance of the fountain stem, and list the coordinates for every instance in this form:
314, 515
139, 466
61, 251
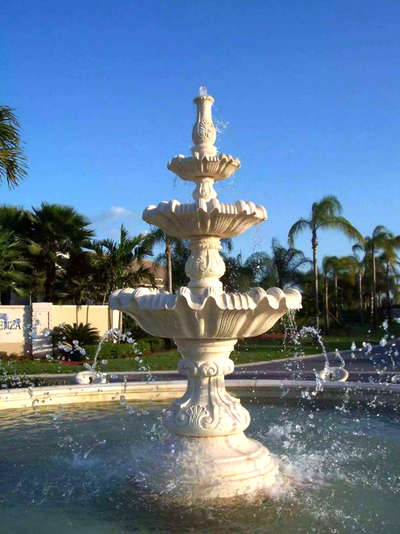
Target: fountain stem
204, 134
206, 409
205, 265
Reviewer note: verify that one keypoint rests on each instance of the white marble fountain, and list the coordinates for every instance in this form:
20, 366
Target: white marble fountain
216, 458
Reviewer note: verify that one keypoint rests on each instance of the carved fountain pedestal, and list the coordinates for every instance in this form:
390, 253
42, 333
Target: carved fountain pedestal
213, 457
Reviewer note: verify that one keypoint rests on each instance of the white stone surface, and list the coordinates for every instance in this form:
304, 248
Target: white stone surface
211, 315
90, 377
334, 374
19, 398
205, 322
204, 133
199, 218
215, 468
42, 344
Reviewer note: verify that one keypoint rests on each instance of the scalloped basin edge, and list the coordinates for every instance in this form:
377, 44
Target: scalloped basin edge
185, 315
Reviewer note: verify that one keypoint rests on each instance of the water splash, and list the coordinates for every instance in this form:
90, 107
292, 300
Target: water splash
203, 90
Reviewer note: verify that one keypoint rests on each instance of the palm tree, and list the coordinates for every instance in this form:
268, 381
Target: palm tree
370, 245
57, 231
16, 220
239, 275
390, 246
260, 270
328, 267
282, 268
175, 255
360, 269
325, 214
13, 267
12, 159
120, 264
158, 236
16, 223
76, 280
335, 266
287, 263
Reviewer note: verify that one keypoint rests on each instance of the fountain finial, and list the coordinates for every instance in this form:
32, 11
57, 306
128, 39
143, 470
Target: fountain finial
203, 90
204, 133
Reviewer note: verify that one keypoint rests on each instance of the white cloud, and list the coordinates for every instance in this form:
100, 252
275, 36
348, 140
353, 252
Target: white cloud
114, 213
120, 211
108, 223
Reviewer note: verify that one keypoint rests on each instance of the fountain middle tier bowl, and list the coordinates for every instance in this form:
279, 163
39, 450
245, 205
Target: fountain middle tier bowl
216, 167
185, 315
212, 218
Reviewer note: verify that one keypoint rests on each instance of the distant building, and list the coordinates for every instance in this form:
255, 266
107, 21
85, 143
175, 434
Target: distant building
159, 272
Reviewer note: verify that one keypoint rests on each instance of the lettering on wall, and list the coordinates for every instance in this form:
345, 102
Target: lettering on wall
14, 324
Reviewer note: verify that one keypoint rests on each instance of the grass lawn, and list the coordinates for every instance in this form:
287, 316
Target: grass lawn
253, 350
266, 350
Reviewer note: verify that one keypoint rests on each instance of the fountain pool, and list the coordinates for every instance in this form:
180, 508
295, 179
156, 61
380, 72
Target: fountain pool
86, 469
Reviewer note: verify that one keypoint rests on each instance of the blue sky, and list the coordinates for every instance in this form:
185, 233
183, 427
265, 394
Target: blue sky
310, 92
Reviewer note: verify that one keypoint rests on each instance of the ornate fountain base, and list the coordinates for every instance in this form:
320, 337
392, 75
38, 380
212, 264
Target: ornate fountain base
209, 457
223, 467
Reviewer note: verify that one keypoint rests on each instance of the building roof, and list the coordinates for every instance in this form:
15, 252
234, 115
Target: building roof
159, 271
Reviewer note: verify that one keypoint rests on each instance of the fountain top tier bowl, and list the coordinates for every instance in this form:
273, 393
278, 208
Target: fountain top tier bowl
206, 215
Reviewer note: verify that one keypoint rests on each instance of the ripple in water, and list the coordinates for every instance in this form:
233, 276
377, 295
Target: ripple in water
90, 470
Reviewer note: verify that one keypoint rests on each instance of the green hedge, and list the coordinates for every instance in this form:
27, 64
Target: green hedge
125, 350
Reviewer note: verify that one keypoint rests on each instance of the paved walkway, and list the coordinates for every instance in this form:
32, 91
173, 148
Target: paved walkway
378, 365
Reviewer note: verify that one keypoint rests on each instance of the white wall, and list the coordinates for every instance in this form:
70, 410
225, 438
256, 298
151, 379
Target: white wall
24, 329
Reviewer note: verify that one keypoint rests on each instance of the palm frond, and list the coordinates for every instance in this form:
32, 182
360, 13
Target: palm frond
329, 206
342, 224
297, 228
12, 158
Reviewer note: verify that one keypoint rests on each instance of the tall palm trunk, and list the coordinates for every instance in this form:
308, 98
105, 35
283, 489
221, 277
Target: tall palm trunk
326, 305
389, 300
50, 282
314, 244
6, 296
360, 296
335, 277
373, 290
168, 253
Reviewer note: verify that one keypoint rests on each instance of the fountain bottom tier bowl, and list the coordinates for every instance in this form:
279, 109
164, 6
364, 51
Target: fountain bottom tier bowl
214, 469
213, 458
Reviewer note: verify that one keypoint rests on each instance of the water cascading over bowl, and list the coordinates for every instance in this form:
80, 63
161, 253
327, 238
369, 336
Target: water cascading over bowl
214, 458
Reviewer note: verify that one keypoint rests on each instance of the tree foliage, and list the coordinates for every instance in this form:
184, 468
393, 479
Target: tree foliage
12, 158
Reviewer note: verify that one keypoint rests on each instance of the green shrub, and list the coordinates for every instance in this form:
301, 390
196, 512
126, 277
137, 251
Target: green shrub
157, 343
144, 345
72, 340
130, 325
85, 334
110, 351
